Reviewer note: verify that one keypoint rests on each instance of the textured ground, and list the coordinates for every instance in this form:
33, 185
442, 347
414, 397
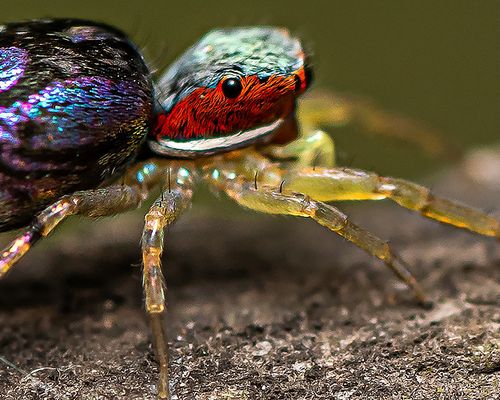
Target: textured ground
260, 308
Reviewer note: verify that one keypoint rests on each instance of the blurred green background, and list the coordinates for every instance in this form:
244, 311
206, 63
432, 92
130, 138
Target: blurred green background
435, 61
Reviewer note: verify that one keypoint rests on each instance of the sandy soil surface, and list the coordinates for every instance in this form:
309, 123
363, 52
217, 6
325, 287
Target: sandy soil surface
259, 308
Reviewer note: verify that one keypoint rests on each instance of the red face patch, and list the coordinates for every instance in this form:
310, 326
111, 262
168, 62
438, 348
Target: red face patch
219, 111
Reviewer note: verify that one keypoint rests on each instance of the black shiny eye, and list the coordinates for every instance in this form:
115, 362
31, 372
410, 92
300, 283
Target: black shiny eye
232, 87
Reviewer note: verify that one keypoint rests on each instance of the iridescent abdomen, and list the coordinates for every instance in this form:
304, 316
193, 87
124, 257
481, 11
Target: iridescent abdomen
75, 104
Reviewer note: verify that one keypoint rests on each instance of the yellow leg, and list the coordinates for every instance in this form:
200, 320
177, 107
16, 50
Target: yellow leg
334, 184
314, 147
266, 200
321, 109
173, 201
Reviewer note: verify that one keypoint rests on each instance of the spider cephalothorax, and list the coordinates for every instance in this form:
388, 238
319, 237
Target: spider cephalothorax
234, 87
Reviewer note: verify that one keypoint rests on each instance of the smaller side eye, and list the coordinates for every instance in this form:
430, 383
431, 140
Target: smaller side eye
298, 83
231, 88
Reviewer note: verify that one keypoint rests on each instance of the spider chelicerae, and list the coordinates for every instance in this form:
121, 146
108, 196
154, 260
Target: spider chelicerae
79, 110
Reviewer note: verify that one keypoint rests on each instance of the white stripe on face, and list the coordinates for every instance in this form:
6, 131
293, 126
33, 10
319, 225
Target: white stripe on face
209, 146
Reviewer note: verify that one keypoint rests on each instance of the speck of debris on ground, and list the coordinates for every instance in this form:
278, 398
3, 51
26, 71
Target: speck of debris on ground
259, 307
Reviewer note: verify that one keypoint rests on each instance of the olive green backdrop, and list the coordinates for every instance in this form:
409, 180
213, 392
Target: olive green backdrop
436, 61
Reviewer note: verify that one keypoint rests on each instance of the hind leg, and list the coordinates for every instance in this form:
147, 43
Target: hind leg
93, 203
109, 200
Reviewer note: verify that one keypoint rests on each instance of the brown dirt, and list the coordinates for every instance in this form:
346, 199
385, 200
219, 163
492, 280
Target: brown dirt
260, 308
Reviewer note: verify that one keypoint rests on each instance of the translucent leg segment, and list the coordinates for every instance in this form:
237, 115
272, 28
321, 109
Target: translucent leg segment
92, 203
336, 184
332, 184
322, 108
160, 343
162, 213
269, 201
116, 199
314, 147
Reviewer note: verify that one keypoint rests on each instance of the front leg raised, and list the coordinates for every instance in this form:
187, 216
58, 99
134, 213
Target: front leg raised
313, 147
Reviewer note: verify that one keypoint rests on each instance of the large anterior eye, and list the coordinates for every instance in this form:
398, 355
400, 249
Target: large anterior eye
231, 87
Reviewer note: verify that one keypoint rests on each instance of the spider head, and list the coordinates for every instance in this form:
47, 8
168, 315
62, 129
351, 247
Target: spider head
233, 88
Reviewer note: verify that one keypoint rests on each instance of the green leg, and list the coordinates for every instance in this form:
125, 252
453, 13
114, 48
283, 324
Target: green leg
336, 184
265, 199
311, 148
349, 184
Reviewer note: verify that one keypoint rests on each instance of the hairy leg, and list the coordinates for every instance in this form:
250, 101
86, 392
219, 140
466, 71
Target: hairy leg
93, 203
268, 200
164, 211
336, 184
116, 199
333, 184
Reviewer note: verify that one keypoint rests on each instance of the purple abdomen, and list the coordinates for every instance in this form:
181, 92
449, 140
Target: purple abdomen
76, 103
